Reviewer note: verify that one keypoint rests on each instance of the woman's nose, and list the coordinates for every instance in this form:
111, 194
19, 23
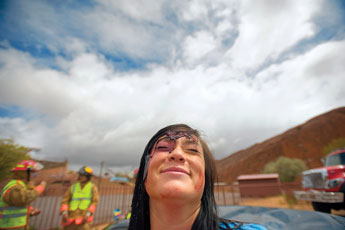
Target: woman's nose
177, 154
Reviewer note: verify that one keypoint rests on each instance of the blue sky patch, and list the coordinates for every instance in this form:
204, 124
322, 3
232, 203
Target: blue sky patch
10, 111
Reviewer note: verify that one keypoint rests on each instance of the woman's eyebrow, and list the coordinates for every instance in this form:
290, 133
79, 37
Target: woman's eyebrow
162, 138
190, 141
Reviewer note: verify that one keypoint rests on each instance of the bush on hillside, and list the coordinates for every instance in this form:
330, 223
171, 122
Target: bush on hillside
287, 168
334, 145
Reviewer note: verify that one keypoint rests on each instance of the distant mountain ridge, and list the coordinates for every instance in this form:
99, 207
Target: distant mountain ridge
304, 141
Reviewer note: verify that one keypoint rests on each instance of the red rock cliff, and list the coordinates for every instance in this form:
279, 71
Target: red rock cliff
305, 142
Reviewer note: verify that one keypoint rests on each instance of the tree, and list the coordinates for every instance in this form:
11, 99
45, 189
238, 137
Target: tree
287, 168
10, 155
333, 145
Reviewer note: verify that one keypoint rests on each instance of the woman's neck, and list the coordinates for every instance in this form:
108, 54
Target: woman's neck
172, 215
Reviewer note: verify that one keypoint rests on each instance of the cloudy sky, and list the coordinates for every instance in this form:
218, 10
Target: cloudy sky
92, 81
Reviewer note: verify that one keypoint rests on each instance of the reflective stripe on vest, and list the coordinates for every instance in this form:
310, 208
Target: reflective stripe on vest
11, 208
81, 198
11, 216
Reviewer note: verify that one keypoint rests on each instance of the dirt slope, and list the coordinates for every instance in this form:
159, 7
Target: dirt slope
305, 142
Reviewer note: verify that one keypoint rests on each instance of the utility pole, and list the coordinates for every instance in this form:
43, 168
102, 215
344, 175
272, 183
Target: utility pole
100, 175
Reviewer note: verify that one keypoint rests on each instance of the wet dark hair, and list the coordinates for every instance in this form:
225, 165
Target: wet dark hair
207, 218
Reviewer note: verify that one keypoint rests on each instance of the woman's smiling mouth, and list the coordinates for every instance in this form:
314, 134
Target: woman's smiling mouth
176, 170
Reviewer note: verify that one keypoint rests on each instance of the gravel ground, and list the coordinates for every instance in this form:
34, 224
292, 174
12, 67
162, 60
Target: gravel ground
281, 202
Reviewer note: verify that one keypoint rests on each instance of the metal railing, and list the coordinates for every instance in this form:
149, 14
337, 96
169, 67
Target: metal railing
111, 197
226, 194
114, 196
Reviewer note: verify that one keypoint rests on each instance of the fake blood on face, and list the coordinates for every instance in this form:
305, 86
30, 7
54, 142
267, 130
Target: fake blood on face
168, 195
200, 183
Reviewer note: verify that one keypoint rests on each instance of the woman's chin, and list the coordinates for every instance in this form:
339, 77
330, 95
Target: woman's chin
174, 189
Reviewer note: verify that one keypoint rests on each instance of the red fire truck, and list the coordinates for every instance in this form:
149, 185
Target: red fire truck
325, 186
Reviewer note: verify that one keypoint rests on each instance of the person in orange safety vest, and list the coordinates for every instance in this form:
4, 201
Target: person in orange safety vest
18, 194
79, 202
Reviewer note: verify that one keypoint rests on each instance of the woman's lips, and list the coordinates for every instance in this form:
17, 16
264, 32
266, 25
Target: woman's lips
175, 169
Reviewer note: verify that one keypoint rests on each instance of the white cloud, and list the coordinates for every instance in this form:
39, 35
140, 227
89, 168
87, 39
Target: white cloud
44, 90
224, 27
147, 10
267, 28
27, 133
195, 10
198, 45
313, 81
88, 111
88, 68
327, 62
117, 115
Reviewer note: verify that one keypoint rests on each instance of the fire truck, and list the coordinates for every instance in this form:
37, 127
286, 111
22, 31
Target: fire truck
325, 186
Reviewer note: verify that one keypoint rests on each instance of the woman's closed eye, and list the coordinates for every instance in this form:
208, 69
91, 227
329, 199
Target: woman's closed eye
163, 148
194, 150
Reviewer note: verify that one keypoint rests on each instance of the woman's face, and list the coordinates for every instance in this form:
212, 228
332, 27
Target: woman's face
176, 169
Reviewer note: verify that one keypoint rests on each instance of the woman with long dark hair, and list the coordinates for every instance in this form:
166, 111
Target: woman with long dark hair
175, 185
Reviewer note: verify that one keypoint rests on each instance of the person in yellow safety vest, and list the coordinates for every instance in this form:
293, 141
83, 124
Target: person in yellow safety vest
79, 202
18, 194
128, 216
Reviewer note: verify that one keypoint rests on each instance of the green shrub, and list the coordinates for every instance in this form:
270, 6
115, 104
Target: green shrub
287, 168
290, 199
334, 145
10, 155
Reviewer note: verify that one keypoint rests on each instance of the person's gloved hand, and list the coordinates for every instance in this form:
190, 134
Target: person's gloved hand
86, 217
41, 187
44, 184
35, 212
65, 217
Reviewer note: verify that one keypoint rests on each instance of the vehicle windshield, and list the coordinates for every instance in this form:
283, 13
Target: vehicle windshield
338, 159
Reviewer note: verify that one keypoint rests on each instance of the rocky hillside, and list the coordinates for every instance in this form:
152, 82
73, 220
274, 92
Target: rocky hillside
305, 142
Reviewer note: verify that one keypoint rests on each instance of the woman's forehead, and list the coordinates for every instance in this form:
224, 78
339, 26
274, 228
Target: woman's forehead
176, 134
181, 140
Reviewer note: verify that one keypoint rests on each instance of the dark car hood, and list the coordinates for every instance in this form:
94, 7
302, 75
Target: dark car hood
283, 219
